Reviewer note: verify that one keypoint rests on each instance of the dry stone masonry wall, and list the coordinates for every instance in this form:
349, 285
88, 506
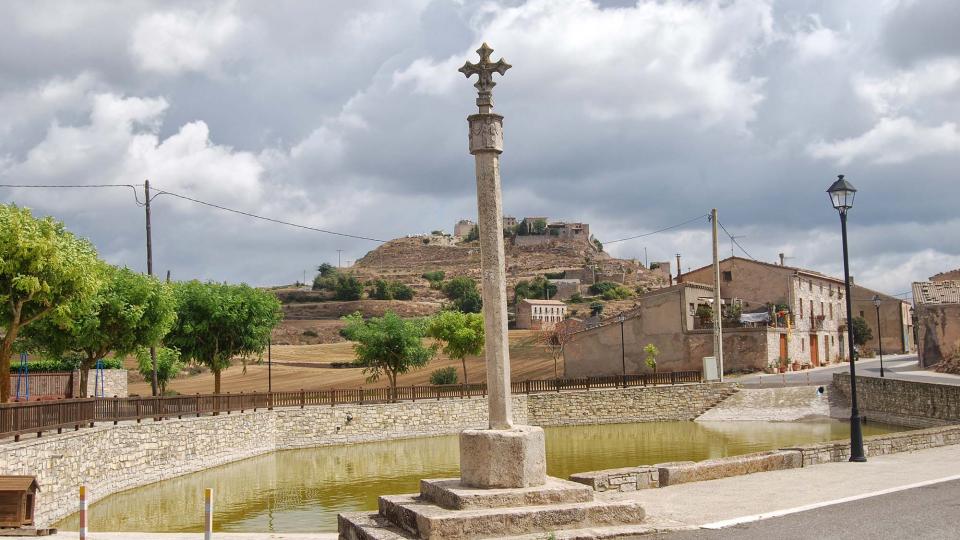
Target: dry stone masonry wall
906, 403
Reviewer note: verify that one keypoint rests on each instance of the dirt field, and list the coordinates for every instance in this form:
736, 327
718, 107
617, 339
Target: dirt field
528, 361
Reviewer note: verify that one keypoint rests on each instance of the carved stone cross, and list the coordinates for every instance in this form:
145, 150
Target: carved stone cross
485, 69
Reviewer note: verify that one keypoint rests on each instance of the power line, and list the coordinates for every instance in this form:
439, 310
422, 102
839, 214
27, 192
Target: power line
131, 186
657, 231
734, 240
198, 201
264, 218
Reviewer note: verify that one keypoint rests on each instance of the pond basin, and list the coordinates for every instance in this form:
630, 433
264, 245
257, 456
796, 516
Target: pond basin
304, 490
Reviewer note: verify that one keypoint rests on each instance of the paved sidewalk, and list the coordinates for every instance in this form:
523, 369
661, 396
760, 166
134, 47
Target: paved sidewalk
900, 366
194, 536
700, 503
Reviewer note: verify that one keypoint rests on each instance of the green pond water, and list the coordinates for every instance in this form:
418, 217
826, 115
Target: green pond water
304, 490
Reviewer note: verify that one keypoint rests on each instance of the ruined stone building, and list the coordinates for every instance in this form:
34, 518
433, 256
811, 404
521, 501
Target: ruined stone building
937, 309
896, 321
463, 228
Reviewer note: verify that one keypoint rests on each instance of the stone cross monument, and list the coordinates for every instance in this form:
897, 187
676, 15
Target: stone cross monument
504, 455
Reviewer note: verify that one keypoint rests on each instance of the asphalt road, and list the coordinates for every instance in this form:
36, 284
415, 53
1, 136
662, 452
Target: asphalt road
896, 367
924, 513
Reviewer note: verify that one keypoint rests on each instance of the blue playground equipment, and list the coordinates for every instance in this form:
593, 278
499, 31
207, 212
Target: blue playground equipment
98, 380
23, 377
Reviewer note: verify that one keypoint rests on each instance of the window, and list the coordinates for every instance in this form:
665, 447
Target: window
831, 311
802, 345
821, 309
861, 314
811, 308
821, 288
727, 275
810, 285
801, 308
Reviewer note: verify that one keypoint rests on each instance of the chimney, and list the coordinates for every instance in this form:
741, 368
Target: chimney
781, 259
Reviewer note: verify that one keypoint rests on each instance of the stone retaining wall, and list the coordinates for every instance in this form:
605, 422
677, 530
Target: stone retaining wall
109, 458
621, 406
668, 474
906, 403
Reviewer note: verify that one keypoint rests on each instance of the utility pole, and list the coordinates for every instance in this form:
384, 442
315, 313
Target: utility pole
717, 308
154, 384
338, 257
678, 268
646, 261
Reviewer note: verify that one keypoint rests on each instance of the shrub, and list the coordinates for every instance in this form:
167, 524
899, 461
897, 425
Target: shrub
654, 265
311, 333
576, 298
390, 290
435, 278
463, 293
596, 308
348, 287
442, 376
617, 293
554, 275
602, 287
65, 363
436, 233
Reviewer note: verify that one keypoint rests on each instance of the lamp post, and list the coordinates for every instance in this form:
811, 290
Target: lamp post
876, 303
623, 351
841, 197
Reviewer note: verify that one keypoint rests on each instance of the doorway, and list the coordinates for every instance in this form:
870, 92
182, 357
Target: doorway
814, 350
783, 347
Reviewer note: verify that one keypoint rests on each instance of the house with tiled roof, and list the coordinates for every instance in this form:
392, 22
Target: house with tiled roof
937, 311
950, 275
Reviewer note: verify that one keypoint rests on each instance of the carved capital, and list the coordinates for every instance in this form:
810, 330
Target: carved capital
486, 133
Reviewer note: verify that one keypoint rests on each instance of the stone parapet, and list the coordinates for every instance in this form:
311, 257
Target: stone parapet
623, 479
906, 403
878, 445
670, 474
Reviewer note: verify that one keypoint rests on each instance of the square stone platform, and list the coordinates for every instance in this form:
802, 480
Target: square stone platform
447, 508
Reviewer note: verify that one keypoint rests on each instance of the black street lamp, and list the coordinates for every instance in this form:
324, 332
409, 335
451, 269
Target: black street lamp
623, 351
841, 197
876, 302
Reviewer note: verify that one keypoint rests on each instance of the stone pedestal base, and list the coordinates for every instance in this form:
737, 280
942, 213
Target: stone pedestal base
508, 458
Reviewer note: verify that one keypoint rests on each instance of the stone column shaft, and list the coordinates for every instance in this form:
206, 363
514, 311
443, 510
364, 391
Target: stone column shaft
486, 144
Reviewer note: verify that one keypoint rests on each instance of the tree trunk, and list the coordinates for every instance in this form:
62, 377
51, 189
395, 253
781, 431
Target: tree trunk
556, 368
464, 362
84, 378
216, 381
5, 347
392, 378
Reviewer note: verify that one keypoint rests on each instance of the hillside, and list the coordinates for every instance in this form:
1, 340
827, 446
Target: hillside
405, 259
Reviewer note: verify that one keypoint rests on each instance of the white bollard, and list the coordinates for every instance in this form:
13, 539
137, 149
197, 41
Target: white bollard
83, 512
207, 514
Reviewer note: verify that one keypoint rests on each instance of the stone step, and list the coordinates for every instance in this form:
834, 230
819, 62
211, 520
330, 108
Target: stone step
451, 494
429, 521
369, 526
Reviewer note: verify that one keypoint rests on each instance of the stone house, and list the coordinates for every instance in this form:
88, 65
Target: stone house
509, 222
812, 329
569, 231
463, 228
937, 309
540, 314
666, 318
896, 322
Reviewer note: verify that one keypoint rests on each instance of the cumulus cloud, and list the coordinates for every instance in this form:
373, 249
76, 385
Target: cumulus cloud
892, 140
177, 41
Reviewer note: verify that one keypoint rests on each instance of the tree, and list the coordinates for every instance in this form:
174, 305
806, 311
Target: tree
390, 290
463, 293
460, 333
539, 287
129, 311
45, 273
861, 332
348, 287
652, 353
597, 243
326, 270
169, 364
596, 308
474, 234
388, 346
443, 376
556, 338
218, 321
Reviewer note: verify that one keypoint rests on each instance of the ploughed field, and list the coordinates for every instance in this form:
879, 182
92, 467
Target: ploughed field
308, 367
304, 490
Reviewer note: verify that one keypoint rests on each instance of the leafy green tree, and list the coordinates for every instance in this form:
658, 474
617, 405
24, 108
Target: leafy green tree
348, 287
444, 376
597, 243
130, 310
326, 270
45, 273
388, 346
538, 287
460, 333
862, 334
463, 293
390, 290
169, 364
596, 308
218, 321
401, 291
652, 353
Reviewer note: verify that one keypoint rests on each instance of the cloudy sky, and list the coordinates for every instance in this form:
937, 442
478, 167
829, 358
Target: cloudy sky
350, 116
